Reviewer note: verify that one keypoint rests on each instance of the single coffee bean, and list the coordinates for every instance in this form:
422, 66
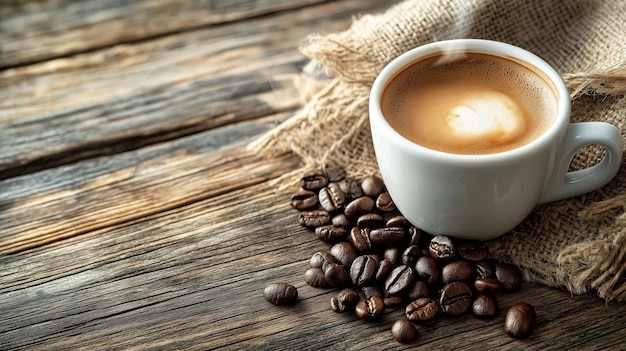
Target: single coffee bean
330, 234
509, 276
397, 221
388, 236
337, 276
360, 239
280, 293
351, 188
363, 269
473, 250
457, 271
485, 306
404, 331
315, 218
344, 253
411, 254
416, 236
384, 203
372, 186
418, 290
484, 269
382, 272
392, 254
519, 321
321, 259
370, 309
371, 290
442, 248
313, 179
359, 207
427, 269
345, 300
304, 200
455, 298
341, 220
331, 197
393, 300
487, 285
334, 173
399, 280
370, 220
315, 277
422, 310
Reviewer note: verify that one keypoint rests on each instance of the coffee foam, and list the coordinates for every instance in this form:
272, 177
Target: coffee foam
475, 105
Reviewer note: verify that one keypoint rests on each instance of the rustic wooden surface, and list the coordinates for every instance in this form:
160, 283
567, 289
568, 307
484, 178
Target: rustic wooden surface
132, 215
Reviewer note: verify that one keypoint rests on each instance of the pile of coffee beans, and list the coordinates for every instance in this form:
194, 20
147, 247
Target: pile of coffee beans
377, 259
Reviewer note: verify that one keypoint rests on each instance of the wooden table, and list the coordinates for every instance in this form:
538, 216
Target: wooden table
132, 214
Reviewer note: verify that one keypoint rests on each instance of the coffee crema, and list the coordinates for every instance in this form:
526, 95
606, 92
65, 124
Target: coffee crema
469, 103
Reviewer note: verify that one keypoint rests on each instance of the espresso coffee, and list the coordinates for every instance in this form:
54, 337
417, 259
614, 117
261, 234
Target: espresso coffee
469, 103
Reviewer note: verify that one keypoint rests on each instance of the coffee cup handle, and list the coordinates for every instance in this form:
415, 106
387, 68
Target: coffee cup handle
564, 184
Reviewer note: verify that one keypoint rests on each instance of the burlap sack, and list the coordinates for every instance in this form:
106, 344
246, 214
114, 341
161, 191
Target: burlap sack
578, 244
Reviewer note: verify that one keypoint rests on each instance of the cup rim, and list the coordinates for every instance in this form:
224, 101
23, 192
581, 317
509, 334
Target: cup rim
490, 47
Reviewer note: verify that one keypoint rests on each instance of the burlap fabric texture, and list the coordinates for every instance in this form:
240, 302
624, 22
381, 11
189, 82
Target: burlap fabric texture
578, 244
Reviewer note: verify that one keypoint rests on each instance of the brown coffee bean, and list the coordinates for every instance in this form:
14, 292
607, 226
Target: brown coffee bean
360, 239
404, 331
397, 221
371, 290
418, 290
487, 285
351, 188
312, 219
370, 309
363, 269
313, 179
422, 310
484, 269
442, 248
280, 293
399, 280
519, 321
382, 272
359, 207
473, 250
341, 220
370, 220
330, 234
417, 237
485, 306
509, 276
457, 271
411, 254
384, 203
304, 200
393, 300
334, 173
344, 253
331, 198
337, 276
455, 298
315, 277
372, 186
345, 300
427, 269
392, 254
321, 259
388, 236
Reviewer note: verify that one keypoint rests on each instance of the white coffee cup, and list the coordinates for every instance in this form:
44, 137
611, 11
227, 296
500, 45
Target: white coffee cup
485, 196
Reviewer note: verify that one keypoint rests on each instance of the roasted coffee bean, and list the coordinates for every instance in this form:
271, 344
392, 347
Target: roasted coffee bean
519, 321
360, 239
370, 220
370, 309
411, 254
351, 188
422, 310
484, 269
392, 254
457, 271
304, 200
388, 236
315, 277
487, 285
427, 269
418, 290
330, 234
372, 186
393, 300
442, 248
399, 280
363, 269
312, 219
485, 306
382, 272
280, 293
371, 290
334, 173
341, 220
455, 298
384, 203
397, 221
509, 276
337, 276
345, 300
473, 250
344, 253
313, 180
404, 331
331, 197
359, 207
321, 259
416, 236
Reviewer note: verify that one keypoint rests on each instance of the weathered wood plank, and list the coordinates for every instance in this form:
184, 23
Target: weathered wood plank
36, 31
193, 277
